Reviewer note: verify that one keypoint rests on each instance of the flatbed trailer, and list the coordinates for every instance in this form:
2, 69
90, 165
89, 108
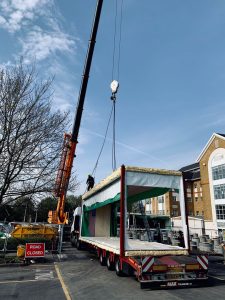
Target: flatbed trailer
154, 264
138, 248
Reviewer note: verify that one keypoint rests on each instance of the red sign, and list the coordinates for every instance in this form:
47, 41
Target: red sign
35, 250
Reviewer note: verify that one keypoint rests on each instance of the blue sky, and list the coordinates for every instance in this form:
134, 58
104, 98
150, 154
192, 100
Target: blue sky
172, 74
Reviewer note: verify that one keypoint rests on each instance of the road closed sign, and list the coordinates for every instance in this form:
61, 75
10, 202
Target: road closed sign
35, 250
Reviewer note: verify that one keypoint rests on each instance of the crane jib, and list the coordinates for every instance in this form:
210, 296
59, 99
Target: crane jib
70, 141
85, 77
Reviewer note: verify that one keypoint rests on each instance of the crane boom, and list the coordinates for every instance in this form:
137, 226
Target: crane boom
70, 141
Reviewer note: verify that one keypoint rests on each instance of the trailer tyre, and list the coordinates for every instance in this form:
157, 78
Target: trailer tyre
73, 241
102, 259
119, 272
79, 244
110, 264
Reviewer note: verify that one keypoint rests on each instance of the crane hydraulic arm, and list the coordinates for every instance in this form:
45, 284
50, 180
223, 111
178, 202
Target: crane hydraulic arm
59, 216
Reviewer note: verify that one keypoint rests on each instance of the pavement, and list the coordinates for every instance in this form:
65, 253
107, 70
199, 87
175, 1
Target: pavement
78, 275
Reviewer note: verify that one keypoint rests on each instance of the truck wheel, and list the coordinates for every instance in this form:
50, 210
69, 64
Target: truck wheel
117, 268
102, 260
110, 264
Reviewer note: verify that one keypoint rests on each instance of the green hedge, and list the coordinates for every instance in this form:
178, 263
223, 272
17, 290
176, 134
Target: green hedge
13, 243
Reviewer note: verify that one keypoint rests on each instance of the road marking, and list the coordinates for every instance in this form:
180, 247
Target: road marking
61, 256
216, 277
19, 281
64, 287
40, 266
43, 274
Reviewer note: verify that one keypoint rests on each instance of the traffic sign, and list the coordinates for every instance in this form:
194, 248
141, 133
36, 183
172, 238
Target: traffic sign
35, 250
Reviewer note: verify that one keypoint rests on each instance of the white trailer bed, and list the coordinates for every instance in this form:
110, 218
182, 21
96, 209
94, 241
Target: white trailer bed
136, 247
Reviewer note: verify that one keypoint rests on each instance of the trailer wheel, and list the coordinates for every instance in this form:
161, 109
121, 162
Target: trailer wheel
143, 285
119, 272
79, 244
73, 240
76, 239
102, 259
110, 264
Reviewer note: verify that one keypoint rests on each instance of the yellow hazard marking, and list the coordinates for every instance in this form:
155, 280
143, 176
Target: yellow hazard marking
65, 290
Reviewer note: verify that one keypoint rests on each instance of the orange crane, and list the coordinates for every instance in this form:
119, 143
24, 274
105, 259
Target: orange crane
59, 216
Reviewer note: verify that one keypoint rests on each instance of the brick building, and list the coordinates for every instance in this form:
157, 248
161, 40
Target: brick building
165, 205
204, 188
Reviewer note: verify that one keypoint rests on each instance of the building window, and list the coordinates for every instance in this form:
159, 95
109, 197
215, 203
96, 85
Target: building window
161, 199
175, 213
219, 191
189, 199
218, 172
174, 198
220, 212
197, 213
161, 212
190, 213
148, 201
196, 198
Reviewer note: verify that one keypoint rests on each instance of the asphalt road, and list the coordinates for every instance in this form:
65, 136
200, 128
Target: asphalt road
78, 275
87, 279
39, 281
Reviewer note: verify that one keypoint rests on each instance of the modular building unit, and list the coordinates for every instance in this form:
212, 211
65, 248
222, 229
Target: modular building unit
151, 262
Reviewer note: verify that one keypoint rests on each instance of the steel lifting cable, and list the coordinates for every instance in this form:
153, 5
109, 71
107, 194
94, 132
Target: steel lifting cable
114, 137
118, 75
117, 24
120, 38
113, 110
114, 41
106, 132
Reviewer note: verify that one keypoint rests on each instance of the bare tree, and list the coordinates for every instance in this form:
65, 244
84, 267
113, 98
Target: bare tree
31, 135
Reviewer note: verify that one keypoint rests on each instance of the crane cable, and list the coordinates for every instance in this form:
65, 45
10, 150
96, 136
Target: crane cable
96, 164
114, 137
120, 38
118, 75
114, 41
113, 109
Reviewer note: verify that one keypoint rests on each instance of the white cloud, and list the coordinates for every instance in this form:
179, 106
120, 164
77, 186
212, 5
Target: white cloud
40, 44
38, 29
37, 41
16, 13
2, 20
